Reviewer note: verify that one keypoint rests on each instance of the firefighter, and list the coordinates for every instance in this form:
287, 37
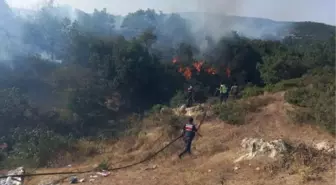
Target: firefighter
188, 134
223, 94
190, 96
234, 91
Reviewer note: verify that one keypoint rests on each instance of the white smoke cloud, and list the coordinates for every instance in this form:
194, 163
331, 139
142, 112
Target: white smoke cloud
207, 17
284, 10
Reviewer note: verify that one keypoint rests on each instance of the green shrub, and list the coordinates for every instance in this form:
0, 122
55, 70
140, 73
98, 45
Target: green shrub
35, 147
284, 85
252, 91
301, 96
104, 165
232, 112
156, 108
178, 99
315, 102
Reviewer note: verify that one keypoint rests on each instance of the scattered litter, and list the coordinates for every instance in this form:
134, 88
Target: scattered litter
236, 168
93, 176
81, 180
92, 180
209, 170
73, 180
104, 173
151, 168
257, 168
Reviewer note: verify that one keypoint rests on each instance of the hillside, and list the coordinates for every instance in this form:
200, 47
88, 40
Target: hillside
84, 90
215, 153
259, 27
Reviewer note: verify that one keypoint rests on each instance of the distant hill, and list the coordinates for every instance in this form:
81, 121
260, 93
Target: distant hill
260, 27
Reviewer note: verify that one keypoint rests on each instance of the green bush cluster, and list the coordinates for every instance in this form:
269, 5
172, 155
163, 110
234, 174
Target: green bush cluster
315, 103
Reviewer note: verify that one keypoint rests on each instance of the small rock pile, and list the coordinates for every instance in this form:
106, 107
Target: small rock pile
256, 147
13, 180
190, 111
325, 146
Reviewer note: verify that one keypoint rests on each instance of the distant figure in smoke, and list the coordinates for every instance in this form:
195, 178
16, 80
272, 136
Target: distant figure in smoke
223, 94
188, 135
190, 96
4, 148
234, 91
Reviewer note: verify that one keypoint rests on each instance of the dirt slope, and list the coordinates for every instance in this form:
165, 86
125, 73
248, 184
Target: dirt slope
214, 153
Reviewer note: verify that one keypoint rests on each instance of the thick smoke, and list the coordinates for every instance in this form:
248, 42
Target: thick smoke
10, 32
222, 22
202, 25
14, 30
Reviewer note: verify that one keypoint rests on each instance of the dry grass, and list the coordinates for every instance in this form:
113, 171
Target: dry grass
305, 161
215, 152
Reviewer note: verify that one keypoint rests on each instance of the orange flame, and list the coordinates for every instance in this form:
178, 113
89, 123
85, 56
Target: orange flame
211, 71
187, 73
198, 65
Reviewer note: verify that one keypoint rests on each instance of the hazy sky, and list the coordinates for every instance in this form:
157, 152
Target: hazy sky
287, 10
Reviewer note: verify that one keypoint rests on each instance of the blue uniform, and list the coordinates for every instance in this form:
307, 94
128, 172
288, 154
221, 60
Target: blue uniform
189, 131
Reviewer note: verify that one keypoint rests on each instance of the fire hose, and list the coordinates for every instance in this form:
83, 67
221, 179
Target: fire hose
111, 169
